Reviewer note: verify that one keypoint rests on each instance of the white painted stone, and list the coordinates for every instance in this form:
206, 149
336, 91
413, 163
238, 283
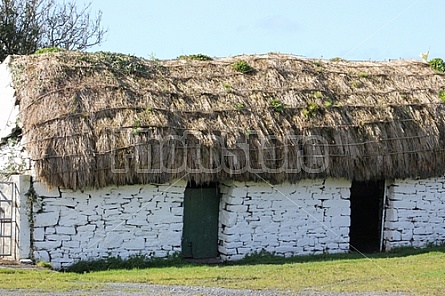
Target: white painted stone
405, 204
41, 256
39, 233
46, 219
227, 218
43, 190
138, 221
58, 237
236, 208
47, 245
407, 189
65, 230
340, 221
341, 203
72, 244
111, 240
137, 243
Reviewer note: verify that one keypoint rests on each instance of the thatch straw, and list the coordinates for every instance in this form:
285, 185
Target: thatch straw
91, 120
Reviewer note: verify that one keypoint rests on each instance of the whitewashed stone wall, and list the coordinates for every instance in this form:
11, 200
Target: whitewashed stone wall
8, 111
70, 226
12, 158
311, 217
415, 213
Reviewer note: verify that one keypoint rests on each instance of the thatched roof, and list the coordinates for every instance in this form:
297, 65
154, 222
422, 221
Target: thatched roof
92, 120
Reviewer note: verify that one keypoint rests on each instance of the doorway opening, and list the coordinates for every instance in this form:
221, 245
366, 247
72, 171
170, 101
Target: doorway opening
366, 216
200, 221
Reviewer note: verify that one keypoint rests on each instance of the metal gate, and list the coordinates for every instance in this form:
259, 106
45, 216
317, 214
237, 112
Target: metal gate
8, 226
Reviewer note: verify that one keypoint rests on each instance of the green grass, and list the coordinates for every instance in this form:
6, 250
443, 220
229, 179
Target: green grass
420, 272
243, 67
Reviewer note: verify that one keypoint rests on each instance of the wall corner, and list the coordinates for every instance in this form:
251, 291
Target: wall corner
23, 237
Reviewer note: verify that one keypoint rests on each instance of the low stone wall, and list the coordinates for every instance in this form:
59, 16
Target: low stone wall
311, 217
70, 226
415, 213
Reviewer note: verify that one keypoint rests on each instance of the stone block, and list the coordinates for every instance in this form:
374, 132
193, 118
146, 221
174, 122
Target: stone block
429, 196
399, 225
285, 249
332, 246
39, 234
395, 196
393, 235
86, 230
234, 257
112, 240
422, 231
50, 230
80, 221
41, 256
405, 189
391, 215
46, 219
137, 243
421, 218
336, 203
236, 200
336, 212
247, 237
321, 196
111, 212
72, 244
305, 241
57, 237
261, 204
47, 245
425, 205
243, 251
309, 203
175, 227
236, 208
65, 230
177, 211
44, 191
403, 204
169, 238
164, 218
407, 235
341, 221
227, 218
137, 221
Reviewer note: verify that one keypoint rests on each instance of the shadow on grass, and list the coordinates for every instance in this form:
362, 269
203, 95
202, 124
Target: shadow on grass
262, 257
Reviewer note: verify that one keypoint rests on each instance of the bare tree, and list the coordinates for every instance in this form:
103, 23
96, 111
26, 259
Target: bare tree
26, 25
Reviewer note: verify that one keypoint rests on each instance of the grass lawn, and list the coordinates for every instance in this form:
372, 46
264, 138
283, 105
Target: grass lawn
421, 272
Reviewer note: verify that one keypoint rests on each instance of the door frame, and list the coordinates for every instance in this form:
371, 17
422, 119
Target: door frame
196, 229
378, 219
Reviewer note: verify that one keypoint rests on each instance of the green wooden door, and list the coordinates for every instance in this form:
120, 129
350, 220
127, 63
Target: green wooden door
200, 230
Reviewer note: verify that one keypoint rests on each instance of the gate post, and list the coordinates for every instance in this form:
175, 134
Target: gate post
23, 237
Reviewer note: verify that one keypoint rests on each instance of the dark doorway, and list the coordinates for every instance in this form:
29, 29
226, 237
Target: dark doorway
366, 216
200, 229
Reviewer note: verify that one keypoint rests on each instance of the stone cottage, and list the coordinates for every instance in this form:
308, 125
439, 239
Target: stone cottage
111, 155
